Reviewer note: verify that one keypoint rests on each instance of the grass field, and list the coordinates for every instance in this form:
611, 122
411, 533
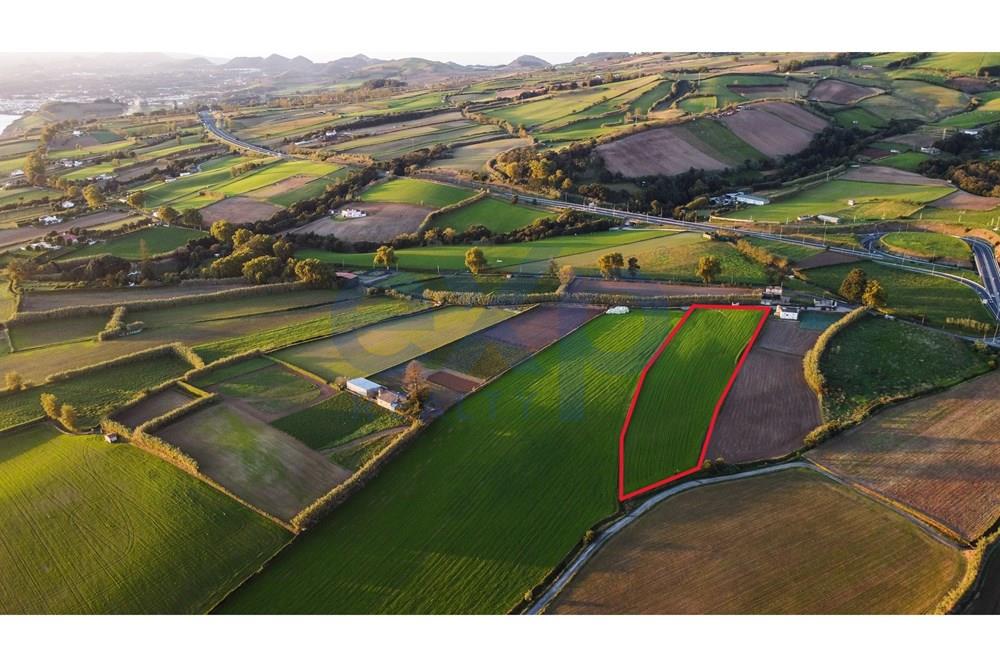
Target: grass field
699, 103
496, 215
722, 141
500, 467
908, 161
860, 118
383, 346
41, 333
475, 156
680, 392
987, 112
960, 62
479, 356
908, 294
338, 420
152, 240
272, 390
416, 192
878, 358
874, 201
94, 394
928, 245
502, 257
93, 528
213, 174
788, 542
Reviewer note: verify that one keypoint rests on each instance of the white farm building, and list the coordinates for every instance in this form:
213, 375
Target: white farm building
363, 387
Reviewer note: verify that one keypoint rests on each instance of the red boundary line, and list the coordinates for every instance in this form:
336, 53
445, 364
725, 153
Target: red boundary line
622, 495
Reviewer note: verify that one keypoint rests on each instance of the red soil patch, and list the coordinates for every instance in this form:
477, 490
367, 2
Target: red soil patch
841, 92
541, 325
768, 132
452, 381
770, 408
383, 223
966, 201
876, 174
660, 151
238, 210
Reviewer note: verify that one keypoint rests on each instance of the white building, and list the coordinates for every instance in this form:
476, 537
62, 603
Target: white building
390, 400
17, 172
363, 387
752, 200
68, 204
788, 312
832, 219
972, 131
352, 213
330, 133
50, 219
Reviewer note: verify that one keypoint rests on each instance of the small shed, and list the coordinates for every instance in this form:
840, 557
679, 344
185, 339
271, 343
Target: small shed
363, 387
788, 312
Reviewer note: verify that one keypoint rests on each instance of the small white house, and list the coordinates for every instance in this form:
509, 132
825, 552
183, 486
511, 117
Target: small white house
788, 312
363, 387
972, 131
50, 219
17, 172
68, 204
330, 133
77, 133
389, 399
352, 213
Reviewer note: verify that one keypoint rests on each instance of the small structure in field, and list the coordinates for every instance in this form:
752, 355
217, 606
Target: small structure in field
50, 219
389, 399
788, 312
347, 279
68, 204
364, 387
352, 213
111, 437
617, 310
825, 304
832, 219
752, 200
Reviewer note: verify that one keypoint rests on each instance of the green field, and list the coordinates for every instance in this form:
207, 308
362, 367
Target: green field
582, 130
93, 528
496, 215
21, 196
272, 390
960, 62
27, 335
790, 251
873, 201
338, 420
212, 175
730, 148
501, 257
909, 294
93, 394
987, 112
416, 192
699, 104
908, 161
478, 355
475, 156
500, 468
877, 358
383, 346
928, 245
718, 86
859, 117
154, 240
680, 392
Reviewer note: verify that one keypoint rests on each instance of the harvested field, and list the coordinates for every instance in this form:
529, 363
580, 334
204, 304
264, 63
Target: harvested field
453, 381
826, 258
841, 92
915, 140
939, 454
659, 151
966, 201
262, 465
877, 174
651, 288
770, 408
770, 128
787, 542
281, 187
238, 210
383, 223
154, 406
542, 325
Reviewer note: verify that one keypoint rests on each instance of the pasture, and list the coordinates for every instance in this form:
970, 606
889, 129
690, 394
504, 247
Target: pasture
500, 465
474, 157
497, 215
140, 244
93, 528
381, 346
928, 245
416, 192
787, 542
337, 421
676, 400
270, 391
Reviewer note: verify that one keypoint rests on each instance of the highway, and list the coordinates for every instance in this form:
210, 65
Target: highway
989, 271
208, 120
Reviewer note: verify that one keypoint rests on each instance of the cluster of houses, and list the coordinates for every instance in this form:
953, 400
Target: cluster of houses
349, 213
739, 197
373, 391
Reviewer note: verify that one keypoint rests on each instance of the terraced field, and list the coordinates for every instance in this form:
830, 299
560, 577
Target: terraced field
93, 528
546, 430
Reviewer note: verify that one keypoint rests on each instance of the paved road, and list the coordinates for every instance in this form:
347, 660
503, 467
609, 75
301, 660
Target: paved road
989, 271
208, 120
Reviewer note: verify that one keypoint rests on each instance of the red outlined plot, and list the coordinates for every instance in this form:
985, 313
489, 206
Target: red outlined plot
622, 494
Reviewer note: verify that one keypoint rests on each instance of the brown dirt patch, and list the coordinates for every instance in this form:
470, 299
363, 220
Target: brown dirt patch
914, 140
794, 114
650, 288
787, 337
383, 223
283, 186
453, 381
768, 132
660, 151
269, 469
875, 153
826, 258
541, 325
788, 542
770, 408
969, 84
841, 92
154, 406
238, 210
939, 454
966, 201
873, 173
69, 142
135, 171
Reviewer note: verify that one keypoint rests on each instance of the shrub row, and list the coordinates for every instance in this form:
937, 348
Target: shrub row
327, 502
593, 298
178, 349
810, 362
205, 369
434, 215
153, 445
970, 324
115, 326
170, 417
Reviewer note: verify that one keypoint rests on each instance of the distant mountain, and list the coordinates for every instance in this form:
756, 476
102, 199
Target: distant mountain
599, 55
528, 62
346, 66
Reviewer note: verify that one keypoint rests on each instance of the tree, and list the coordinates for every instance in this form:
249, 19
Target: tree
853, 286
19, 268
566, 274
192, 218
34, 168
93, 196
68, 417
874, 296
633, 266
260, 270
222, 231
283, 249
241, 236
553, 271
475, 260
709, 268
136, 199
416, 388
313, 272
167, 214
50, 405
611, 264
13, 381
385, 255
